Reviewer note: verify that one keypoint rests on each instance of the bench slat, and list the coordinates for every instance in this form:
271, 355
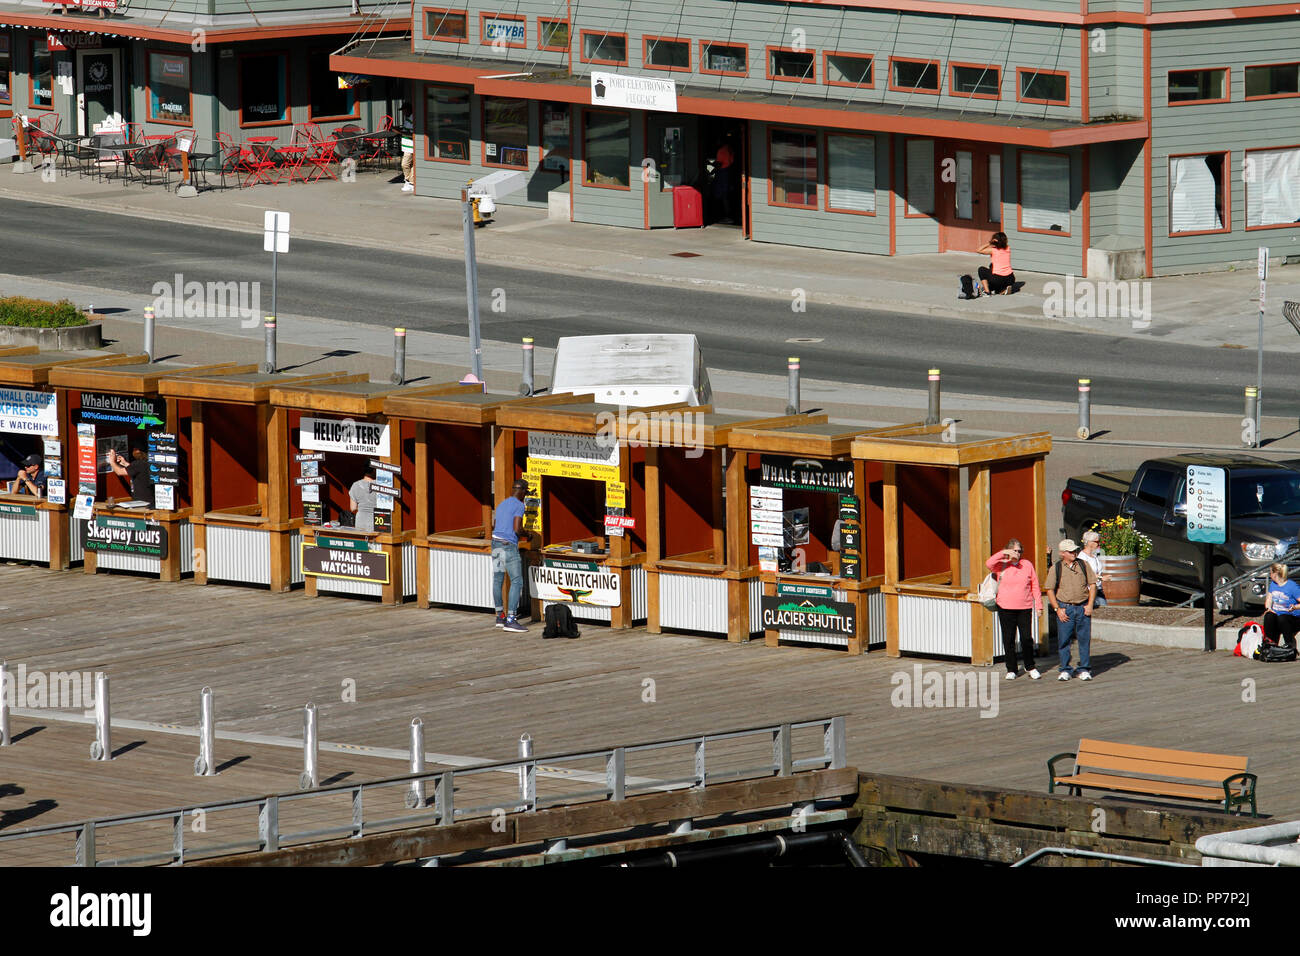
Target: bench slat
1135, 785
1229, 763
1152, 768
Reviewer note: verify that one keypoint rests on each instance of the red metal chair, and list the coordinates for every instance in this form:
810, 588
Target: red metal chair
322, 157
377, 146
49, 122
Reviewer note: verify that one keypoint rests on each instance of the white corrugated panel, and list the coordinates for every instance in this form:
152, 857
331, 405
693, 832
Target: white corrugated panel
295, 558
76, 551
239, 554
640, 603
876, 611
127, 562
756, 606
408, 570
461, 578
814, 637
340, 586
930, 625
693, 602
187, 548
25, 538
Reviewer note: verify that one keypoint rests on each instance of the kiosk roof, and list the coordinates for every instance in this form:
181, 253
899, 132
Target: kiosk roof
133, 377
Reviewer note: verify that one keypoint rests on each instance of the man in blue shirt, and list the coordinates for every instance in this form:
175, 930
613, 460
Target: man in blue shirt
506, 527
1281, 606
31, 479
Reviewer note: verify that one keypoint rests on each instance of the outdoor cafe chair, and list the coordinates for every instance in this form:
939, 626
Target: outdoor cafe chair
49, 122
150, 163
259, 159
379, 147
322, 157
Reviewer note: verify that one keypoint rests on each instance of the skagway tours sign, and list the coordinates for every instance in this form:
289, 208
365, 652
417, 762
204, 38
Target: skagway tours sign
114, 535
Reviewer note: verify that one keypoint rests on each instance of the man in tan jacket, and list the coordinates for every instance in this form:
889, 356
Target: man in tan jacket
1071, 589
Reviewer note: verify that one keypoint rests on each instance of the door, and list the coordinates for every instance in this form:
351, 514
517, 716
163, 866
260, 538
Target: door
99, 88
1151, 509
672, 144
969, 200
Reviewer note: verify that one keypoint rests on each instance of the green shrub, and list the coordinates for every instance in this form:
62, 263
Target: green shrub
39, 314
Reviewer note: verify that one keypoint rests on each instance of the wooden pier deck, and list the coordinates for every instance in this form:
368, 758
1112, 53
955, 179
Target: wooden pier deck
478, 688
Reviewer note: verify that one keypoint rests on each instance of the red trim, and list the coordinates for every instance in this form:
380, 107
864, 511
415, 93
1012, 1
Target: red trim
454, 11
185, 37
812, 134
1069, 175
484, 17
582, 36
826, 69
952, 85
286, 118
1227, 88
541, 33
1026, 15
826, 150
1225, 181
1246, 216
893, 196
1147, 212
645, 53
934, 192
704, 58
148, 88
938, 76
1084, 50
31, 77
7, 74
1024, 99
645, 183
428, 153
583, 137
767, 65
1245, 85
1085, 202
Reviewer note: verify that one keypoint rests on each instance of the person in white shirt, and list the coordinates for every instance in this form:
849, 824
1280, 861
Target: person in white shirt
1093, 555
407, 129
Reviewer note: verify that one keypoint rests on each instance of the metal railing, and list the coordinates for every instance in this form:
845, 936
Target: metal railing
170, 827
1093, 855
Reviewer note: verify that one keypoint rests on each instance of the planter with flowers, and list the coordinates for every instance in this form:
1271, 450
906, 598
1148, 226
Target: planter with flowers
1125, 549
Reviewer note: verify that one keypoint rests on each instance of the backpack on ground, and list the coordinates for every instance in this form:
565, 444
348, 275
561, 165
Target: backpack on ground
1249, 639
1271, 653
967, 287
559, 622
988, 595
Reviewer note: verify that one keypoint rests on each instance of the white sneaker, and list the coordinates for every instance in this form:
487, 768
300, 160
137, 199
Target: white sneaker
408, 188
1034, 674
1065, 675
1011, 675
1085, 675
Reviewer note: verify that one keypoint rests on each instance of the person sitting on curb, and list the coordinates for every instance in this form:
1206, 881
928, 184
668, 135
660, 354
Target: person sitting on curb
1071, 589
997, 278
1281, 607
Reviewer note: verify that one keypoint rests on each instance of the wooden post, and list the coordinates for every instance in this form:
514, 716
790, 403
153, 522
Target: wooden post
60, 527
889, 531
169, 568
978, 499
422, 488
653, 537
771, 637
621, 549
858, 642
199, 490
274, 457
21, 130
736, 546
1040, 540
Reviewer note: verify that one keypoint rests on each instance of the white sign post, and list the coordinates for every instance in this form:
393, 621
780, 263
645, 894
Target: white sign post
1207, 522
1259, 368
275, 240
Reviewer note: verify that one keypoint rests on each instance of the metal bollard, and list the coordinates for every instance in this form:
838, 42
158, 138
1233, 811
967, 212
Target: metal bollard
205, 762
148, 331
792, 408
1248, 436
1085, 408
4, 705
311, 771
399, 357
102, 747
526, 386
525, 753
415, 796
268, 366
932, 416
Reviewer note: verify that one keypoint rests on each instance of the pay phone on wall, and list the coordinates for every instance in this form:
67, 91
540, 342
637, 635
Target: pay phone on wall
672, 159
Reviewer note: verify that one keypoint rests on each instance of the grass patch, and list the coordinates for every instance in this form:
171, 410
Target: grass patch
39, 314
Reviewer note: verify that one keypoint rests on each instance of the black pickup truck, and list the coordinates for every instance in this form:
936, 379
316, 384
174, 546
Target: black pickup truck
1263, 519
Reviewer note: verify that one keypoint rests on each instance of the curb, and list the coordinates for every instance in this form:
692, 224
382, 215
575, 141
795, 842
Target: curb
1154, 635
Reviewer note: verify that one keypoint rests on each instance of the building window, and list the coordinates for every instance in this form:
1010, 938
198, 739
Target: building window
1043, 87
6, 64
724, 58
328, 102
263, 89
1272, 187
169, 88
995, 189
606, 149
505, 132
850, 174
1198, 86
42, 97
556, 150
919, 160
1278, 79
553, 35
1196, 194
797, 65
446, 123
663, 53
849, 69
980, 82
503, 30
921, 76
608, 48
1044, 192
451, 25
792, 168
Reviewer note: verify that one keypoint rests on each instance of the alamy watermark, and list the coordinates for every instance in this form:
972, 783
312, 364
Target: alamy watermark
60, 690
208, 300
941, 689
681, 428
1098, 299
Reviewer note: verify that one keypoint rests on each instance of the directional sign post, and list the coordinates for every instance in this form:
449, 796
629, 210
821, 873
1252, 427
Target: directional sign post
1207, 522
275, 240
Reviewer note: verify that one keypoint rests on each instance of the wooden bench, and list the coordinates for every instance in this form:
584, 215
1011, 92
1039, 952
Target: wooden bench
1182, 774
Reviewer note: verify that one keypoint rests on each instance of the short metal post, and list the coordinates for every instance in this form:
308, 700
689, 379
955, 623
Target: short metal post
932, 415
525, 753
311, 772
268, 365
834, 743
102, 748
792, 407
1252, 397
399, 357
1085, 408
4, 705
616, 773
205, 764
415, 796
148, 331
526, 386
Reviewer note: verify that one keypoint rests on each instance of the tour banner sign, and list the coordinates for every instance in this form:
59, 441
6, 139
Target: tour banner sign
116, 535
805, 474
28, 413
576, 582
345, 435
821, 615
141, 413
348, 558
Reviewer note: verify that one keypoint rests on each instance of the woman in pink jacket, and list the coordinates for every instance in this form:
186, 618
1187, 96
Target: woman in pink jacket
1018, 591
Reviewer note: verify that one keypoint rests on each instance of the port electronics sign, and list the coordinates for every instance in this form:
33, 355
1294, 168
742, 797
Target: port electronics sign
28, 413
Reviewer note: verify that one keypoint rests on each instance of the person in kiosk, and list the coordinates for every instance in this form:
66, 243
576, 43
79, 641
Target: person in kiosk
137, 473
31, 478
507, 524
361, 499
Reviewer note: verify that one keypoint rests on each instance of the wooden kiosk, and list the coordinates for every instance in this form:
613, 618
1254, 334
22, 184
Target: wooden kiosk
335, 431
119, 407
787, 488
244, 531
33, 421
587, 505
930, 607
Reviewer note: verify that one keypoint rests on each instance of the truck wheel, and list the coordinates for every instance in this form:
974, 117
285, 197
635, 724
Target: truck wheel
1227, 600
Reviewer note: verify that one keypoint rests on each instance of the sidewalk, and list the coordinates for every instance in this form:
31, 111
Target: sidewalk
1213, 309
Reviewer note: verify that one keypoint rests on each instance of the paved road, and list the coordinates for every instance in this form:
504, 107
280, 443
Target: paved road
737, 332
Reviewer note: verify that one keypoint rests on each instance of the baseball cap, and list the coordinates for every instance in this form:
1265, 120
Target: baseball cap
1067, 545
31, 460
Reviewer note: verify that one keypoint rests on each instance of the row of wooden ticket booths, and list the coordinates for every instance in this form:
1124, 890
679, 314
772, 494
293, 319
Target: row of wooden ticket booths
677, 518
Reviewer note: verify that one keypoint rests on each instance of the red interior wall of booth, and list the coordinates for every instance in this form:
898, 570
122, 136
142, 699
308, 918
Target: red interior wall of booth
1011, 505
686, 506
923, 531
295, 469
231, 461
456, 470
873, 519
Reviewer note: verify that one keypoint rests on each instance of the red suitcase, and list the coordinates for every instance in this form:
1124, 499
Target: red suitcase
688, 208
